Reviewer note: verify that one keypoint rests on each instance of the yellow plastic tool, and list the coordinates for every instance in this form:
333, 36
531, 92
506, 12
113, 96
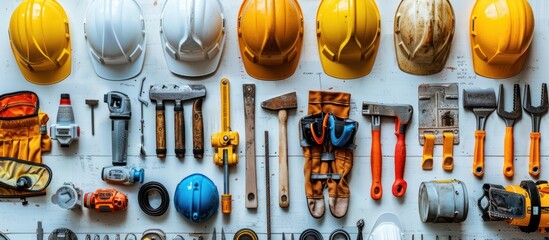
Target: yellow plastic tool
225, 141
448, 151
428, 147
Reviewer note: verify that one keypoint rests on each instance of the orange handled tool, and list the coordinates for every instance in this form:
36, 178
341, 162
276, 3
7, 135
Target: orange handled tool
510, 119
402, 115
536, 113
376, 191
478, 157
533, 167
399, 186
482, 102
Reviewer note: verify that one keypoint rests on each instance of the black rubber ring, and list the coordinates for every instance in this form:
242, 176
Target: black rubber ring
143, 199
311, 234
340, 233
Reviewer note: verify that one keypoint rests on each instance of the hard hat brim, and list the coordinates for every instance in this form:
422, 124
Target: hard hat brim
418, 68
120, 71
348, 70
45, 77
194, 69
270, 72
498, 71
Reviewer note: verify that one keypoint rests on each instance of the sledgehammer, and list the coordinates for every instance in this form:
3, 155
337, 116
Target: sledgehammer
281, 103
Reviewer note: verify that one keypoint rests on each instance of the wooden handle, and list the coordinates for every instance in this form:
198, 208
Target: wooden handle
376, 191
198, 129
179, 128
478, 157
400, 185
160, 132
534, 166
284, 190
508, 154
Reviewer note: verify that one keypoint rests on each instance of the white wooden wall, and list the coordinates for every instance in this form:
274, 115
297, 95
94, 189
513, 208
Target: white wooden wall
82, 162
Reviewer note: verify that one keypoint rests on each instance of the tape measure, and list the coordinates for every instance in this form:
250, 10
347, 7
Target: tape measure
245, 234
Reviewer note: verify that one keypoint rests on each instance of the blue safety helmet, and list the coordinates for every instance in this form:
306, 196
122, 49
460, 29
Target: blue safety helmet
196, 198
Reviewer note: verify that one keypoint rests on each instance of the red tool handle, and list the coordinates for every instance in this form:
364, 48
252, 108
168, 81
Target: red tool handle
376, 191
399, 186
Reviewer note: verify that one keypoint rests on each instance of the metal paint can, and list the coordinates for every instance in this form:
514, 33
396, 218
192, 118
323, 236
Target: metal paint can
443, 201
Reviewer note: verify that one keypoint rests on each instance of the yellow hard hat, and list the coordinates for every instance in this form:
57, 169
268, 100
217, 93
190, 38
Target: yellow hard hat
270, 35
424, 30
501, 33
348, 33
40, 41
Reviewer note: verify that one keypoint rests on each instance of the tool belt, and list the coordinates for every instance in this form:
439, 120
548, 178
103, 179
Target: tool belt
327, 138
23, 139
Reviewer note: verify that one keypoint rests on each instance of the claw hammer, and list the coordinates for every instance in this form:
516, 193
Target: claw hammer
403, 115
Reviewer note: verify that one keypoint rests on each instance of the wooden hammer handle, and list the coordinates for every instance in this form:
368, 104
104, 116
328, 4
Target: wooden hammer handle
160, 132
198, 129
179, 128
284, 190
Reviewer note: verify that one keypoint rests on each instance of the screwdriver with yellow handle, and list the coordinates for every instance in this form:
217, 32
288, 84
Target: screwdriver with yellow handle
225, 141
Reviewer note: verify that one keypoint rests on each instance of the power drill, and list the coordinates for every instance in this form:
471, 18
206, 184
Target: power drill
106, 200
120, 108
65, 130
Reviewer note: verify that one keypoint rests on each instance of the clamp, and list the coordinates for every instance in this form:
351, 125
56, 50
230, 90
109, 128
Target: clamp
225, 141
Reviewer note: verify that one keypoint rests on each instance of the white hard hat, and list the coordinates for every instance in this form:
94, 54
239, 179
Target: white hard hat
193, 35
115, 32
387, 227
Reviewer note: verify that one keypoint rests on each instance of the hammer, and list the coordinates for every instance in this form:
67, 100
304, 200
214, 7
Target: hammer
281, 103
177, 93
403, 115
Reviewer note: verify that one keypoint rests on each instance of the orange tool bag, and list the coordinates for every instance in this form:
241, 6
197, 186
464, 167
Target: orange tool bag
23, 139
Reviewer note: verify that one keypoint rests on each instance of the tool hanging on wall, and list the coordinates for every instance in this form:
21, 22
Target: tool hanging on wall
143, 102
267, 187
249, 122
143, 197
482, 102
120, 115
438, 122
92, 103
177, 93
282, 104
245, 234
122, 175
106, 200
403, 115
360, 227
68, 196
443, 201
65, 130
198, 129
510, 118
327, 138
535, 113
524, 205
225, 141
